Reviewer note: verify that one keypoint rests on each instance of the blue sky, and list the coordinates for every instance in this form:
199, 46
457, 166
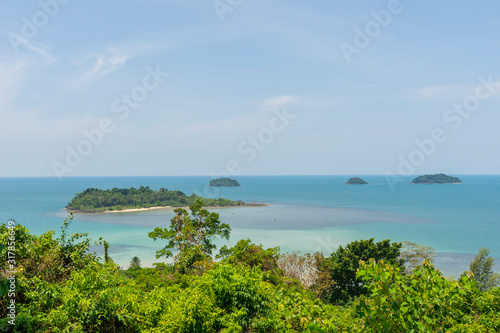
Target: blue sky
235, 68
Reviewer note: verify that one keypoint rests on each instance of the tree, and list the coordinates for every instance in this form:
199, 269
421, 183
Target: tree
414, 255
323, 284
106, 256
482, 268
135, 262
300, 266
190, 236
345, 262
250, 254
428, 302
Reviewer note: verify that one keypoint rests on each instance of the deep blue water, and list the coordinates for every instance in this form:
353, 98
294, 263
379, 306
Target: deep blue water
307, 213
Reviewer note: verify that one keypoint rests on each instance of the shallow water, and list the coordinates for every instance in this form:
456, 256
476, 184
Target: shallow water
308, 213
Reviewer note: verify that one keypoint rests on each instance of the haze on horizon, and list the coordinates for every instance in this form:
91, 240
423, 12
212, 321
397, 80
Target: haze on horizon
176, 87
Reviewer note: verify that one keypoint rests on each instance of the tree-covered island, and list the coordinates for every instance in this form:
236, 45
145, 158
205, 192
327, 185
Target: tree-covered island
224, 182
440, 178
94, 200
356, 181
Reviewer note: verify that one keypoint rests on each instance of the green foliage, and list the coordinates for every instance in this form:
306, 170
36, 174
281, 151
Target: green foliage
427, 303
94, 200
345, 262
294, 310
239, 293
46, 256
63, 288
96, 299
106, 248
44, 263
225, 182
191, 235
5, 283
484, 315
356, 181
247, 253
482, 269
440, 178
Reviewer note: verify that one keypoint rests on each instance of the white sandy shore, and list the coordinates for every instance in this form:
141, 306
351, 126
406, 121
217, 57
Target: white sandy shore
172, 208
142, 209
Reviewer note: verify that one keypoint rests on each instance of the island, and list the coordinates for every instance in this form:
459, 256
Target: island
356, 181
94, 200
439, 178
224, 182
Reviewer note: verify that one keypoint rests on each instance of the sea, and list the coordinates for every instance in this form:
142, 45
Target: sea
305, 213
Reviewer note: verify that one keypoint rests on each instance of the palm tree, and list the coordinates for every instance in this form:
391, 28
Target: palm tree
135, 262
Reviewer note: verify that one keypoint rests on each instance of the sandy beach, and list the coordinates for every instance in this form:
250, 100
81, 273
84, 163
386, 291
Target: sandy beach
141, 209
250, 204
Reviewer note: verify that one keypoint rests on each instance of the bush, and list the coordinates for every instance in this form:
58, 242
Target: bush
428, 303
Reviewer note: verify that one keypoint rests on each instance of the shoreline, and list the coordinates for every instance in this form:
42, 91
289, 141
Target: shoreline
131, 210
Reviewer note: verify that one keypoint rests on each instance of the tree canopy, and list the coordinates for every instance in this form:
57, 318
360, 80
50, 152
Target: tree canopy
224, 182
440, 178
94, 200
356, 181
190, 235
252, 255
414, 255
344, 263
482, 269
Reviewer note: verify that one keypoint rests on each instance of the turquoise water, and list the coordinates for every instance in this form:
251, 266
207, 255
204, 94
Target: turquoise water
307, 213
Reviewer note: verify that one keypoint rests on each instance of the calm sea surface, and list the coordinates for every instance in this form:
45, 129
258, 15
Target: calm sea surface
307, 213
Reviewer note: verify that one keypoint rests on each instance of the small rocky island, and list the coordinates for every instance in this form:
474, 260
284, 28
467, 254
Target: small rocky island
356, 181
440, 178
224, 182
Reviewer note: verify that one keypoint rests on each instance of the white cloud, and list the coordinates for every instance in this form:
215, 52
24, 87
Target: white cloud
10, 74
432, 92
40, 50
447, 92
222, 125
103, 64
23, 47
219, 127
280, 101
15, 70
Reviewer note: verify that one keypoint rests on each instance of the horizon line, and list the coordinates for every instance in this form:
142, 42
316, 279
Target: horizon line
254, 175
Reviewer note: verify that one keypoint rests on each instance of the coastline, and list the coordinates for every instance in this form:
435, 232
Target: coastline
131, 210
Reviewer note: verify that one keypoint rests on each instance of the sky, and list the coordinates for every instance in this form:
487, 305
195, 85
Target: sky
240, 87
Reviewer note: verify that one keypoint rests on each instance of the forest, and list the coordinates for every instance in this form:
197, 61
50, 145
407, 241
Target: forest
440, 178
366, 286
356, 181
94, 200
224, 182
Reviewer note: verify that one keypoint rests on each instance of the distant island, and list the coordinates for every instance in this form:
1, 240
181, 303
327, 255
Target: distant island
224, 182
440, 178
94, 200
356, 181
